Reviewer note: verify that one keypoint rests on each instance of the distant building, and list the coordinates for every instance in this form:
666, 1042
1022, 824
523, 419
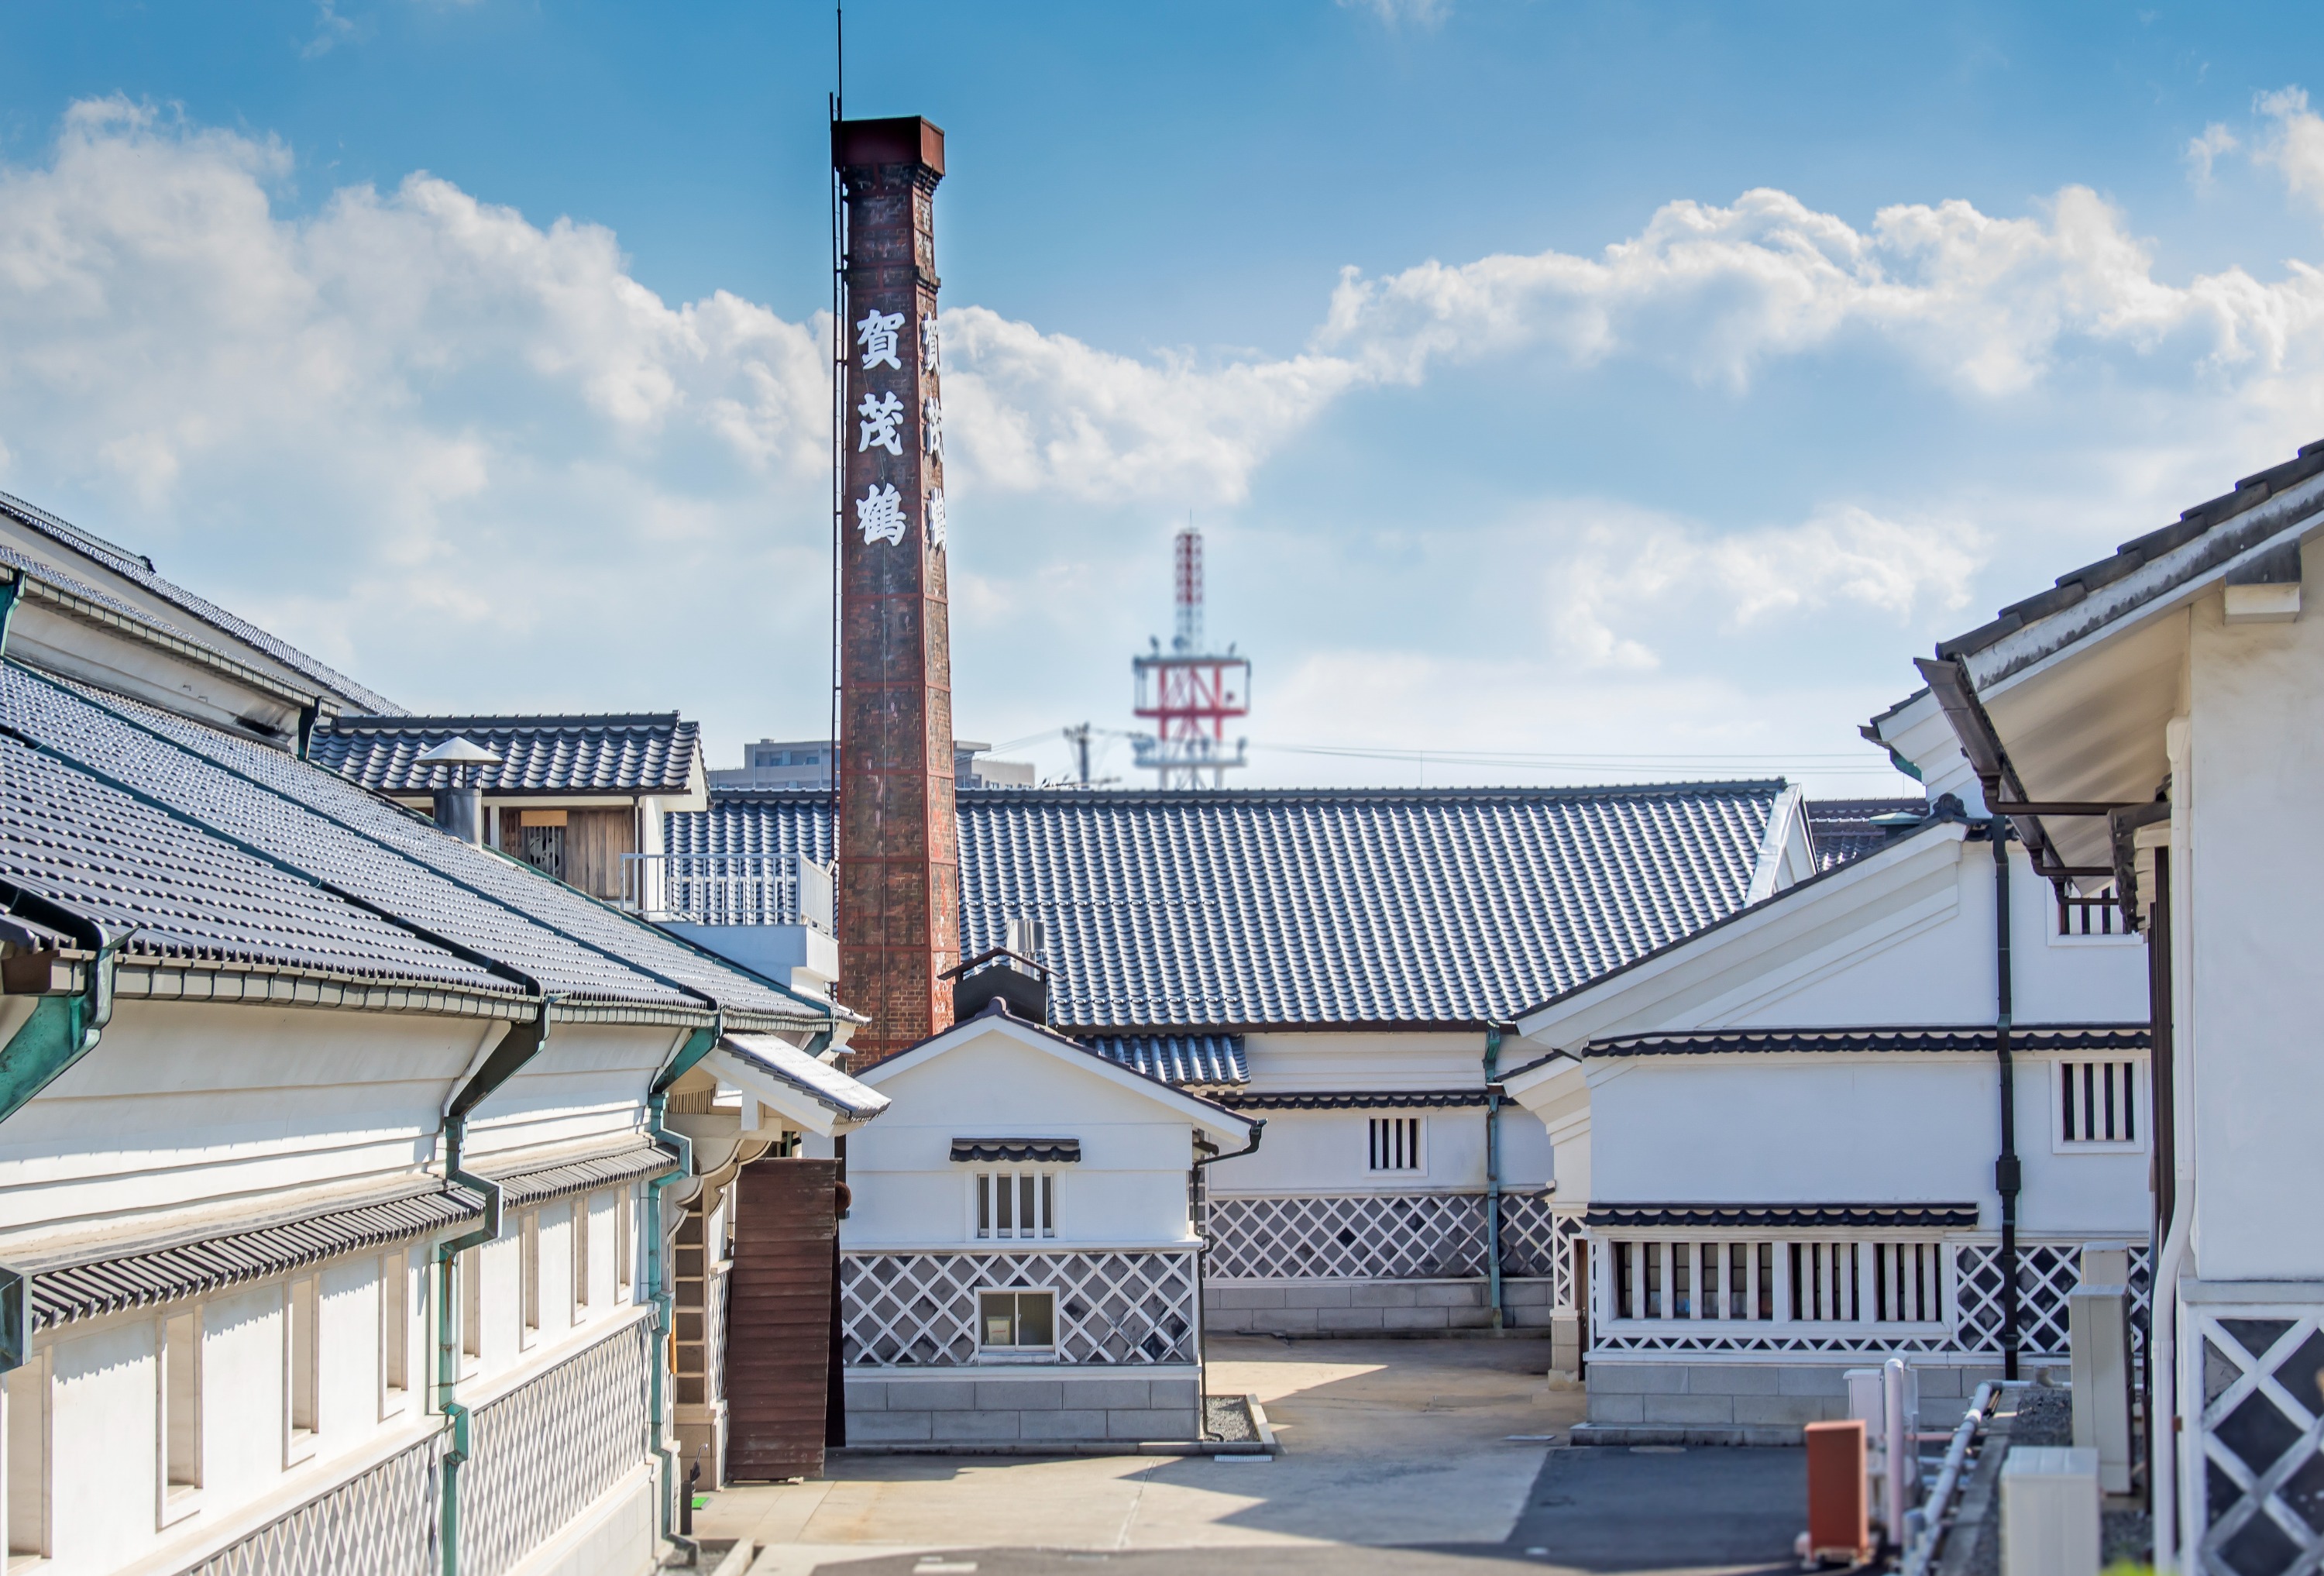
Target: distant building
773, 765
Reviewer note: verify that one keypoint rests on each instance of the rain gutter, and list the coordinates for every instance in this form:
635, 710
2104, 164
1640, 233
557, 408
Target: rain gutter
690, 1051
61, 1030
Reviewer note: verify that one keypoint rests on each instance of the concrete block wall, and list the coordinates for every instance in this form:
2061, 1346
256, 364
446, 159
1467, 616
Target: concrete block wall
1368, 1307
1745, 1402
1022, 1410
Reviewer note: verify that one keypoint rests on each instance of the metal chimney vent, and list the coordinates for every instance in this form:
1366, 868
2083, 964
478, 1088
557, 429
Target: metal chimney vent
460, 802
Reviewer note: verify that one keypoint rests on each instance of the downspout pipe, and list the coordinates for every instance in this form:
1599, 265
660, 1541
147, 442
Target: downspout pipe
1199, 1186
522, 1042
695, 1045
2007, 1174
60, 1031
1493, 1175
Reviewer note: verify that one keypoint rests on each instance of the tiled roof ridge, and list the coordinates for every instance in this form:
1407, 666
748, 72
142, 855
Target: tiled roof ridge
418, 722
2075, 585
1075, 793
1976, 1035
140, 568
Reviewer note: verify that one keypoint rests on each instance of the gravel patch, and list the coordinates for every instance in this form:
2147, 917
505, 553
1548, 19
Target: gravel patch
1228, 1418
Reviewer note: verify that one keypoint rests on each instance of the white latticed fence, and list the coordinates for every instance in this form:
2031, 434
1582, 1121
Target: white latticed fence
541, 1454
381, 1521
1708, 1292
918, 1310
1387, 1236
2259, 1495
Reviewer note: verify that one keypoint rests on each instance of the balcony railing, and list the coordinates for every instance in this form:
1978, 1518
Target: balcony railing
2097, 915
728, 888
1760, 1281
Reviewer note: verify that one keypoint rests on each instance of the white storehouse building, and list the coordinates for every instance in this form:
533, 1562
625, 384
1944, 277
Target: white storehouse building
1788, 1132
1346, 963
1021, 1272
335, 1176
2155, 717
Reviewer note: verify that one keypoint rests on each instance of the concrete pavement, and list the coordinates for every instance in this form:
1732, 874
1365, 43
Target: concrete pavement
1397, 1456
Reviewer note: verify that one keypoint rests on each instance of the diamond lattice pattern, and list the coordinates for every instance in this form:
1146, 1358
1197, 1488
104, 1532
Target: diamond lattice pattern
918, 1310
381, 1521
2263, 1476
541, 1454
1413, 1236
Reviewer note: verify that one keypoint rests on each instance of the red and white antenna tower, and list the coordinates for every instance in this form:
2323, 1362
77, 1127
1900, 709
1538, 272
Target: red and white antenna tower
1190, 693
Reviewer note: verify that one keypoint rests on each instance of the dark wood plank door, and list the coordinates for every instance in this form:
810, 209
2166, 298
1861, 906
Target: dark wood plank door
778, 1318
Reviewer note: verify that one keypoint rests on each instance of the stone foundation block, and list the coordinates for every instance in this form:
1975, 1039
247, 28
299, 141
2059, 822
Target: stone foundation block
1071, 1423
1148, 1423
1354, 1320
1106, 1395
889, 1427
1020, 1395
1709, 1411
1606, 1407
865, 1396
977, 1427
1388, 1295
1732, 1379
1788, 1410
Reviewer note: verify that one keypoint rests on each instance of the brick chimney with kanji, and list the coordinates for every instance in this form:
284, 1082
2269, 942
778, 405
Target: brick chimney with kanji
898, 897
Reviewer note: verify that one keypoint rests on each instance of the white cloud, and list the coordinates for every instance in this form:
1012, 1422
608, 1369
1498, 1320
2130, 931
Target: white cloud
2294, 144
1398, 12
1637, 580
1988, 303
2203, 152
1045, 411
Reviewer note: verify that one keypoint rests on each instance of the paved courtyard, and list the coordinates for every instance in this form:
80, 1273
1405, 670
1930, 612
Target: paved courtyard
1399, 1455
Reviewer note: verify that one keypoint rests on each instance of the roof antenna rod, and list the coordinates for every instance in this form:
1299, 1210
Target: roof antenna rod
838, 378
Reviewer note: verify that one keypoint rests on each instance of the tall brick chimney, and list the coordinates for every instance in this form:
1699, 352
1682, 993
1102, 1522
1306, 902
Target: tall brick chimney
899, 845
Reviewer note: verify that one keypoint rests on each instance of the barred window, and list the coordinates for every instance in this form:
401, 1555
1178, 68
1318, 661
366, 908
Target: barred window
1396, 1143
1016, 1203
2098, 1102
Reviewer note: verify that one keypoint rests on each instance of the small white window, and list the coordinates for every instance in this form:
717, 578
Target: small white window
28, 1404
1016, 1203
2098, 1103
298, 1356
471, 1307
394, 1332
528, 1275
1016, 1322
583, 1213
178, 1346
623, 1253
1396, 1143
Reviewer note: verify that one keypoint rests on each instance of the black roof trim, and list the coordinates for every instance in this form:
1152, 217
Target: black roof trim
1356, 1100
1940, 1217
1018, 1151
1970, 1038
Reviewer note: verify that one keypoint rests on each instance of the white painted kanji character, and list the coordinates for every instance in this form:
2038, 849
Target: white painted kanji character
880, 413
935, 517
881, 514
929, 359
932, 425
877, 333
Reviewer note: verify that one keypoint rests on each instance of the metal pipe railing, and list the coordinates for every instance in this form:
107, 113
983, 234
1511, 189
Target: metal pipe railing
1927, 1523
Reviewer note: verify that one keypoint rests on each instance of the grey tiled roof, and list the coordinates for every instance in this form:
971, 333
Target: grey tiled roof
1975, 1038
650, 752
818, 1079
1178, 1058
1298, 908
139, 571
226, 848
2225, 525
1842, 829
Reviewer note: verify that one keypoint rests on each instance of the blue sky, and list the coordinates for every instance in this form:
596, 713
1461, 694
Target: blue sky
1569, 391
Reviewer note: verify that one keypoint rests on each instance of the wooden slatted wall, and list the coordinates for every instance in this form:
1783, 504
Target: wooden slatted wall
778, 1318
